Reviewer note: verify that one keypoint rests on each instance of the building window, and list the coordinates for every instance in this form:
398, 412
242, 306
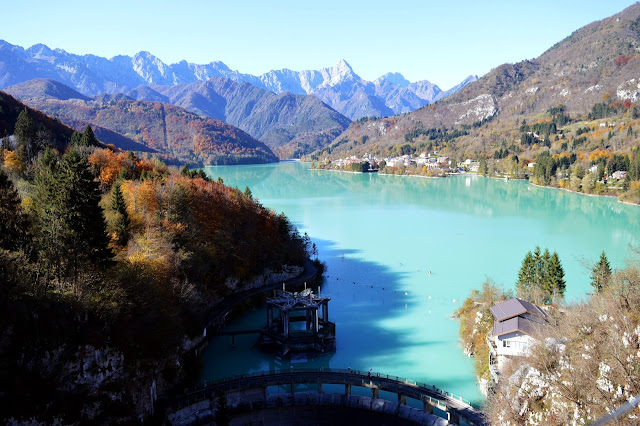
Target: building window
506, 344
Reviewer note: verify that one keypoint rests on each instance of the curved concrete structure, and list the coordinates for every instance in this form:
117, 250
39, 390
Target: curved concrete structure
250, 393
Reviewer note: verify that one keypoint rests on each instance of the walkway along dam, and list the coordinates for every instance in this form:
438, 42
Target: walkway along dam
250, 393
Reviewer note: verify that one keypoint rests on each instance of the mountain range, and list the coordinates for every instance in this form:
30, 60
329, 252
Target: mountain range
338, 86
170, 132
596, 64
291, 125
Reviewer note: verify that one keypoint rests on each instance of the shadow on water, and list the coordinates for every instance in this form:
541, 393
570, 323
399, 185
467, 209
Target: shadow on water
364, 295
384, 233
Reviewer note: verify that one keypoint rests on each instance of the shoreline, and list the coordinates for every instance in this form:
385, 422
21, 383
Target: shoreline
387, 174
582, 193
489, 177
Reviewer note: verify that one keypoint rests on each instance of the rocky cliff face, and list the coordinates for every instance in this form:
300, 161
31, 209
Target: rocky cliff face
102, 384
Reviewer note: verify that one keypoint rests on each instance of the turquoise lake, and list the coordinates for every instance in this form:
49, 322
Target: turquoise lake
381, 235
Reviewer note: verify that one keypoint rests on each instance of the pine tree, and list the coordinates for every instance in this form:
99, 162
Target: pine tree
537, 261
76, 138
483, 168
601, 273
88, 138
121, 222
48, 224
13, 220
545, 275
25, 132
526, 276
84, 217
541, 277
71, 231
555, 286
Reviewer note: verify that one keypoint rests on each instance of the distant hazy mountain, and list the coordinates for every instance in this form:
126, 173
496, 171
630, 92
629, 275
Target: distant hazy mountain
338, 86
172, 133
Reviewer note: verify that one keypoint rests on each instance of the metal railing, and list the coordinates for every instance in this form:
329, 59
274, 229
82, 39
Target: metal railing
363, 374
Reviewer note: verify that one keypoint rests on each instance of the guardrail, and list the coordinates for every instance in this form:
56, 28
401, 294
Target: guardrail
364, 375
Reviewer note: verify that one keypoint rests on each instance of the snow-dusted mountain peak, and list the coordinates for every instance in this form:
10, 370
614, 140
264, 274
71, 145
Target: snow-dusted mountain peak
395, 78
338, 85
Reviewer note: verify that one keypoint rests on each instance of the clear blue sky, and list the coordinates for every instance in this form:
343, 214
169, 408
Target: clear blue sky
441, 41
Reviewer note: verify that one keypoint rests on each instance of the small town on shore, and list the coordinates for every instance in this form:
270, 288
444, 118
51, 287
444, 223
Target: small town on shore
435, 165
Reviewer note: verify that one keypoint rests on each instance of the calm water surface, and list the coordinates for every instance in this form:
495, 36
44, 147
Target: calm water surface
381, 235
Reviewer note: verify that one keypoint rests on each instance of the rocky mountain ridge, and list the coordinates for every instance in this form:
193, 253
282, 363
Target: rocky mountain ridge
338, 86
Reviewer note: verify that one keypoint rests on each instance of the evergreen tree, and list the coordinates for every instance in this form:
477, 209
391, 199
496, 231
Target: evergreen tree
554, 285
526, 276
537, 261
13, 221
634, 167
121, 222
541, 277
247, 192
25, 132
76, 138
601, 273
48, 224
545, 260
71, 231
83, 215
88, 138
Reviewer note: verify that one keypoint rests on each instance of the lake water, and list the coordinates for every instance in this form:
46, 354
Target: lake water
381, 235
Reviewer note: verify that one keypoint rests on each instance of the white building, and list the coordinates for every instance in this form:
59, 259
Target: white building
619, 175
516, 323
443, 161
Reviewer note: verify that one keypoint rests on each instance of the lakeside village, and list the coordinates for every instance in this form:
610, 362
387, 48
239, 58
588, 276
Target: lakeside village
426, 164
434, 165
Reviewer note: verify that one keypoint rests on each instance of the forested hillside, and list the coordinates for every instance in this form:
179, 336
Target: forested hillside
171, 133
572, 113
109, 264
291, 125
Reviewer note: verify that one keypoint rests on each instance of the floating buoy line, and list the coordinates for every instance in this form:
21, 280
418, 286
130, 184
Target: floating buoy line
398, 292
